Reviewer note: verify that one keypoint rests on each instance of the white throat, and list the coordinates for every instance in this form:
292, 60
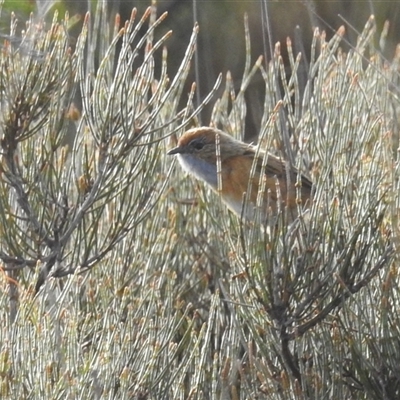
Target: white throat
199, 168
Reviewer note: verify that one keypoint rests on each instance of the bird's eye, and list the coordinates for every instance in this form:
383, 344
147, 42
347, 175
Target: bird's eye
197, 144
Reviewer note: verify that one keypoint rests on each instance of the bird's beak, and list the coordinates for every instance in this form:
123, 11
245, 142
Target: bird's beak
176, 150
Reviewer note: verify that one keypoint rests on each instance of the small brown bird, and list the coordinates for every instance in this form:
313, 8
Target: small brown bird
197, 153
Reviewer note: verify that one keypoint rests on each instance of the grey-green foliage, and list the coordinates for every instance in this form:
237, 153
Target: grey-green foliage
323, 292
184, 300
69, 206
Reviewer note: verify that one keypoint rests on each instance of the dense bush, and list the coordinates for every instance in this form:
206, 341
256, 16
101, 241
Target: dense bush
125, 278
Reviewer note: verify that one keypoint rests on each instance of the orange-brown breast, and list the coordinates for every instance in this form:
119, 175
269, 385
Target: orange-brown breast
235, 179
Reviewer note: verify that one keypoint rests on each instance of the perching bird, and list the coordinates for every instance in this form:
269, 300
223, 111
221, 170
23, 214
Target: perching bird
197, 153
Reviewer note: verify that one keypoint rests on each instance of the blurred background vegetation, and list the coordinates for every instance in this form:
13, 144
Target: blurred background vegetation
221, 35
122, 277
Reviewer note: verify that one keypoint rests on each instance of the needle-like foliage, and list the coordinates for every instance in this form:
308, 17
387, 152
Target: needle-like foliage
124, 278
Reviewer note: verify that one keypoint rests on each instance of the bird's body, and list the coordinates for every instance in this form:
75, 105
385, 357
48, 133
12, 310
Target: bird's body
197, 153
